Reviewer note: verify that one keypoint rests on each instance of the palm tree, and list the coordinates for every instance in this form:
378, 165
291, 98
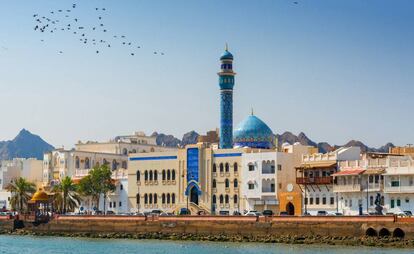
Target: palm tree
21, 191
66, 196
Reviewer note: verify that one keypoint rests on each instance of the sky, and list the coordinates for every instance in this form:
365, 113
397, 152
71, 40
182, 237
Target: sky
335, 70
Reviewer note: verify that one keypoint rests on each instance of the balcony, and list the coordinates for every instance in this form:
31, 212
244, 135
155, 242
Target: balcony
314, 180
399, 189
347, 188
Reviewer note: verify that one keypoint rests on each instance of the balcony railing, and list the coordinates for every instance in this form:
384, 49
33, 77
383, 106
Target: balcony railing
314, 180
399, 189
347, 188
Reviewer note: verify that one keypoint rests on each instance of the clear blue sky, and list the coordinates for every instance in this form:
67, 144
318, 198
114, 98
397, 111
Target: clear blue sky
336, 70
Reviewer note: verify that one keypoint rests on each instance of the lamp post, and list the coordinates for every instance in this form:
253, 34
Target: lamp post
367, 193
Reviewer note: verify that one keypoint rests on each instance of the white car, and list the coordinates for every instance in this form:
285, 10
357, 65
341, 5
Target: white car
253, 213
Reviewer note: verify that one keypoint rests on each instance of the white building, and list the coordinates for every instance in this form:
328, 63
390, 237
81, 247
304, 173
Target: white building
315, 177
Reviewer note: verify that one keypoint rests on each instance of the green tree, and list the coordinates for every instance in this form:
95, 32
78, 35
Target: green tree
98, 183
21, 190
66, 196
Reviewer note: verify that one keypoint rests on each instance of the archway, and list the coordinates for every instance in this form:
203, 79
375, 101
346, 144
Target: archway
384, 232
194, 195
398, 232
290, 209
371, 232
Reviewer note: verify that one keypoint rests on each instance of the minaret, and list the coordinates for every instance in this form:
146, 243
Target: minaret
226, 81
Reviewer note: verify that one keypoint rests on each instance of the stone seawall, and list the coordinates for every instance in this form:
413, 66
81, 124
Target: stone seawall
383, 226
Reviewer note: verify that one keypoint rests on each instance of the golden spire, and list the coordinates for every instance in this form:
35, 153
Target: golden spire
227, 47
252, 111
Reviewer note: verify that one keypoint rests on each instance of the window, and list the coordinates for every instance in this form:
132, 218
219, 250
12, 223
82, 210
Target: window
317, 200
227, 183
146, 175
235, 199
87, 163
155, 198
395, 182
120, 203
407, 200
168, 198
411, 181
214, 199
280, 186
150, 175
110, 204
173, 175
146, 198
323, 200
227, 167
124, 164
306, 201
251, 167
214, 183
376, 178
121, 187
173, 198
350, 203
235, 167
114, 204
221, 199
138, 199
235, 183
226, 199
163, 198
150, 198
163, 174
311, 200
392, 203
114, 164
398, 202
251, 186
77, 162
221, 168
346, 202
138, 176
168, 175
279, 167
332, 200
214, 168
155, 175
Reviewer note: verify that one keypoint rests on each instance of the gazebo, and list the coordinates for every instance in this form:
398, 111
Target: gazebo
41, 205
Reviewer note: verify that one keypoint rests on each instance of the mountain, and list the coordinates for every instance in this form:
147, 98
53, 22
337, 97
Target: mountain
24, 145
171, 141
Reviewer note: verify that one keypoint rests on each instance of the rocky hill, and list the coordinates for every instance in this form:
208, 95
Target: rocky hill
171, 141
24, 145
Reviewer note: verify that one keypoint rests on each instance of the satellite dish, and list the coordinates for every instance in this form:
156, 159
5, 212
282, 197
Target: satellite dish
289, 187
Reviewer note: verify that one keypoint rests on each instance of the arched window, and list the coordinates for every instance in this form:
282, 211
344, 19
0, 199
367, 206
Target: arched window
87, 163
163, 198
155, 175
214, 199
235, 183
104, 162
163, 174
77, 162
235, 199
173, 175
168, 175
227, 167
235, 167
134, 150
155, 198
124, 164
221, 199
146, 175
227, 183
150, 198
146, 198
114, 165
138, 199
138, 176
124, 151
214, 168
150, 175
214, 183
168, 198
173, 198
227, 199
221, 168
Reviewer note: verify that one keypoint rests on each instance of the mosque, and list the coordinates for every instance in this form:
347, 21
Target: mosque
244, 171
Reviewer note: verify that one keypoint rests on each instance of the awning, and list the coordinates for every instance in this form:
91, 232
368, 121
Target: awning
350, 172
317, 164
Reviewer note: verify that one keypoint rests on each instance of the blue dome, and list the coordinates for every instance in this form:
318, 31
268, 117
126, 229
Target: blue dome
253, 132
226, 56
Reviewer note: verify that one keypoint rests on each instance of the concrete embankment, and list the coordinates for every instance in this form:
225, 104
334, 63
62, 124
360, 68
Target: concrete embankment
371, 231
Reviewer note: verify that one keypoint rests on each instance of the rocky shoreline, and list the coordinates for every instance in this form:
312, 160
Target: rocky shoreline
288, 239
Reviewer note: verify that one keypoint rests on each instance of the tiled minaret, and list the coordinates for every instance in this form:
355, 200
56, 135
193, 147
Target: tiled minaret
226, 81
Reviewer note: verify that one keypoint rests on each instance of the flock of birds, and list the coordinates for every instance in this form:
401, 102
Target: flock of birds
64, 20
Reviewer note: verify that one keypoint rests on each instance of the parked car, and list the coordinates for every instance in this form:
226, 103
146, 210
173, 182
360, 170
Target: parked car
184, 211
138, 214
253, 213
408, 213
224, 213
401, 214
321, 213
268, 213
156, 212
307, 214
236, 213
163, 214
283, 214
110, 212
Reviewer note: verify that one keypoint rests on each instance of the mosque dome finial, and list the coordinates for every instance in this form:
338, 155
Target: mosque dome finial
226, 55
